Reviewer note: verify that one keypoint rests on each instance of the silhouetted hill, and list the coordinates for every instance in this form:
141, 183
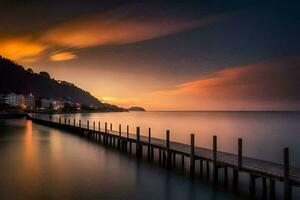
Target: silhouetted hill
136, 109
14, 78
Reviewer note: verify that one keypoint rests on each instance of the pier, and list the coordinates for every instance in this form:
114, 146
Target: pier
174, 155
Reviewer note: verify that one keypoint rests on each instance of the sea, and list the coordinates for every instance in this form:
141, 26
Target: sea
39, 162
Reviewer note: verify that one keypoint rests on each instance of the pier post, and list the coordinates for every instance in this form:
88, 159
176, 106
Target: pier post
192, 160
65, 121
201, 168
152, 153
174, 159
240, 153
99, 127
182, 162
207, 170
215, 167
80, 123
69, 121
287, 184
138, 142
59, 119
127, 131
252, 186
159, 156
94, 125
226, 177
119, 139
105, 139
168, 149
264, 187
235, 179
110, 126
74, 122
164, 157
272, 188
149, 143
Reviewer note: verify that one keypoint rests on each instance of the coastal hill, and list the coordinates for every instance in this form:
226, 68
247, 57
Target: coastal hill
14, 78
136, 109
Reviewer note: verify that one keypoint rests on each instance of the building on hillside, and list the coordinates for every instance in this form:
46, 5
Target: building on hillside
29, 101
46, 103
51, 104
56, 104
16, 100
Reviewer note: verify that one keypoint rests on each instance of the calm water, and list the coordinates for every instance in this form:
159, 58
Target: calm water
38, 162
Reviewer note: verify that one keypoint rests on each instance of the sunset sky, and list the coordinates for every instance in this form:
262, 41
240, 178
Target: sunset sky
197, 55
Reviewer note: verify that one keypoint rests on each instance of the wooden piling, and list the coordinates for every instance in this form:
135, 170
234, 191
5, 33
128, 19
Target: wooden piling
173, 159
286, 173
120, 134
226, 177
149, 143
235, 179
215, 167
168, 149
252, 186
164, 157
94, 125
99, 126
264, 187
201, 168
105, 137
182, 162
240, 153
65, 121
88, 124
111, 127
152, 153
74, 122
59, 119
272, 189
192, 156
159, 156
137, 151
130, 147
127, 131
207, 170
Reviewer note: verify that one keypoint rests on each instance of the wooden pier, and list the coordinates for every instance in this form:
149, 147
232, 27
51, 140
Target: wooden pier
171, 154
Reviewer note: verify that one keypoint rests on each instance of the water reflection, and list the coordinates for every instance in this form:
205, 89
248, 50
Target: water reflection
30, 158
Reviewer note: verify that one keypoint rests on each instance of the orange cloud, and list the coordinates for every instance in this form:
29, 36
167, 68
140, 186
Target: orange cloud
20, 48
269, 85
115, 29
62, 56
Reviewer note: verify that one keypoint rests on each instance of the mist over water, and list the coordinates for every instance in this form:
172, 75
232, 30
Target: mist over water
39, 162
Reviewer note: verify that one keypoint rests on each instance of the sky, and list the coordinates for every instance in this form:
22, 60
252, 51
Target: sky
162, 55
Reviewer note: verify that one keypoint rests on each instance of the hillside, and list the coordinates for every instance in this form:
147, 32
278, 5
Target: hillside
14, 78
